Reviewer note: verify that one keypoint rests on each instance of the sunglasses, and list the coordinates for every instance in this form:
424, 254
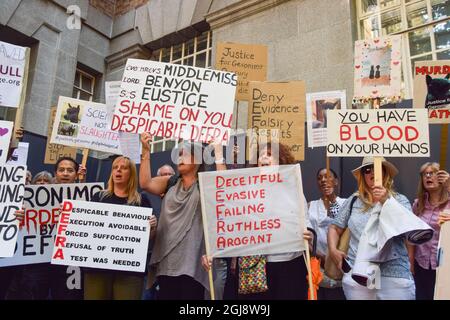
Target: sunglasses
367, 169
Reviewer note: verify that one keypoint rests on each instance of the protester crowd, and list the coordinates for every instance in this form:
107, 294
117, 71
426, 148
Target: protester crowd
177, 268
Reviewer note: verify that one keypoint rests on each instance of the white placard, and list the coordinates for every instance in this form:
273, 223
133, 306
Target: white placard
175, 101
84, 124
12, 188
253, 211
12, 62
130, 144
104, 236
6, 128
382, 132
19, 155
317, 105
37, 233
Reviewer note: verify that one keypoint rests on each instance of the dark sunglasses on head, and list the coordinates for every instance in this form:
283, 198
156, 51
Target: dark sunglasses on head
367, 169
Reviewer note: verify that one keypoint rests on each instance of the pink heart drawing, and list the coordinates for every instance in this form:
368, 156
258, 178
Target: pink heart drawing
376, 40
375, 92
396, 63
358, 66
3, 131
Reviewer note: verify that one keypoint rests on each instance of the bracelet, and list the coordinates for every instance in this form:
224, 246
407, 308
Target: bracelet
144, 157
220, 161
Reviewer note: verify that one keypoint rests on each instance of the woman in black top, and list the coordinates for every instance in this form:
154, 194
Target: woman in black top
122, 190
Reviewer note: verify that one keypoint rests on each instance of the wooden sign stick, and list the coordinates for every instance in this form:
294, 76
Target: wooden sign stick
444, 141
327, 201
23, 96
83, 162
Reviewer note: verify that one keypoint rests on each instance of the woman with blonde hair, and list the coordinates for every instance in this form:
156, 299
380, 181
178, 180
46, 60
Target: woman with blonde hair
122, 190
432, 200
396, 278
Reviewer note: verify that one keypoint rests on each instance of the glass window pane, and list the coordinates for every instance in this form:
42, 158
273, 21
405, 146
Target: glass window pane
391, 22
165, 55
86, 83
209, 59
424, 58
388, 3
189, 61
442, 35
77, 79
157, 147
440, 9
75, 93
170, 145
444, 55
177, 52
200, 60
368, 6
189, 47
417, 14
85, 96
202, 41
370, 28
419, 41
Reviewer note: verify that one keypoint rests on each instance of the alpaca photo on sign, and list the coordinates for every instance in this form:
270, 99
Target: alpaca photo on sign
71, 113
67, 129
438, 91
320, 108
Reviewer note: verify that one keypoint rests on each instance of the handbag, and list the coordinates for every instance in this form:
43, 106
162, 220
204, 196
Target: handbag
330, 268
252, 274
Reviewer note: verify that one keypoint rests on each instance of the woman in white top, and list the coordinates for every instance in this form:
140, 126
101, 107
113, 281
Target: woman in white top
321, 212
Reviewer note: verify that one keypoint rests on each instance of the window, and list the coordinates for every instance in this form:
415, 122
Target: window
83, 86
195, 52
424, 25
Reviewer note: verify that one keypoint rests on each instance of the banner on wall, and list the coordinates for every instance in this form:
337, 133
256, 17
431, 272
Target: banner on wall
253, 211
84, 124
378, 68
42, 203
12, 62
277, 112
175, 102
12, 188
381, 132
103, 236
247, 61
432, 89
317, 105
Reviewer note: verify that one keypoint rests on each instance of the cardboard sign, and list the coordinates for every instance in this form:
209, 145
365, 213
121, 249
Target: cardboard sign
253, 211
432, 89
442, 286
37, 233
382, 132
20, 155
55, 151
277, 112
248, 61
175, 101
103, 236
12, 188
317, 105
378, 67
130, 144
84, 124
12, 68
6, 129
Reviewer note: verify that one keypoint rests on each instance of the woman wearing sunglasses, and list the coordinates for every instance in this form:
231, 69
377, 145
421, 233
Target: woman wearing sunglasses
396, 281
432, 200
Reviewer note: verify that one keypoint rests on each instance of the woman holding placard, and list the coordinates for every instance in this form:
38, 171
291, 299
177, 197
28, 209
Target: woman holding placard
396, 279
432, 200
286, 273
122, 190
179, 242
